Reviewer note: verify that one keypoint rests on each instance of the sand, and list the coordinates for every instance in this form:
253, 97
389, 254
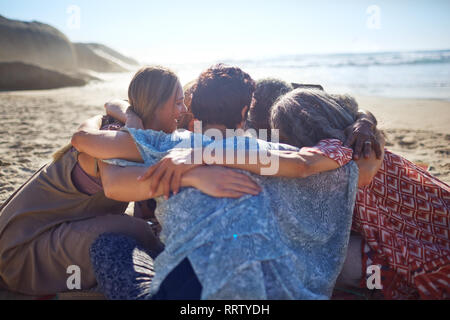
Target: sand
21, 76
419, 130
34, 124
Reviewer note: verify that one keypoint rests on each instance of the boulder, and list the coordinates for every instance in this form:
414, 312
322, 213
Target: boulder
22, 76
37, 44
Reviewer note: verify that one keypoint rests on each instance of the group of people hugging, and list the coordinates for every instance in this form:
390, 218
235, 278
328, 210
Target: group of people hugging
211, 220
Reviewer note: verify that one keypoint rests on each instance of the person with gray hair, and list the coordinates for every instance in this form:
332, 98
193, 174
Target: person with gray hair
360, 133
402, 216
305, 116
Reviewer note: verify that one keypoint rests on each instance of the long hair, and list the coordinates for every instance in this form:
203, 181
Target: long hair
150, 88
305, 116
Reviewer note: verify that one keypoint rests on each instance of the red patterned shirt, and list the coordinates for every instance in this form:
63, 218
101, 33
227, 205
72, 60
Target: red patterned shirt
404, 219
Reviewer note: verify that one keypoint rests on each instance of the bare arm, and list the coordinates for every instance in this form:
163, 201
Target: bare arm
304, 164
368, 167
93, 123
169, 171
290, 164
117, 109
362, 136
121, 184
102, 144
85, 161
117, 144
122, 111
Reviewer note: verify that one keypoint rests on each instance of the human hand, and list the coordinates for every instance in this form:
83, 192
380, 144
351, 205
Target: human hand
222, 182
169, 171
117, 109
362, 137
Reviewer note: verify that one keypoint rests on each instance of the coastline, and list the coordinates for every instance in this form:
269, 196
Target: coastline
408, 113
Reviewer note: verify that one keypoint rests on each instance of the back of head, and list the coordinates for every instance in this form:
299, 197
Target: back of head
304, 117
150, 88
266, 93
220, 95
187, 118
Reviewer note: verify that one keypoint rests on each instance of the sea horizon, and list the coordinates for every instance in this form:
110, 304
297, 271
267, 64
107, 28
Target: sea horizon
418, 74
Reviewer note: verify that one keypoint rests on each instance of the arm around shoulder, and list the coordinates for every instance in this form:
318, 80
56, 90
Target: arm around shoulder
104, 144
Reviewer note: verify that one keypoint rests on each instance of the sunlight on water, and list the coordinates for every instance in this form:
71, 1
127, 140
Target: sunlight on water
396, 75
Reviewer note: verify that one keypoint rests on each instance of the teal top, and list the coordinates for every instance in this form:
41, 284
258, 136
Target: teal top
288, 242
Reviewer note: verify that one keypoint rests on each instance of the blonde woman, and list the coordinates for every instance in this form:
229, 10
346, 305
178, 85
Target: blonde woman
50, 222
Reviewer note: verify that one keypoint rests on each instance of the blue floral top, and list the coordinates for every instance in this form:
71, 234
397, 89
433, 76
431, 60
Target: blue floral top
288, 242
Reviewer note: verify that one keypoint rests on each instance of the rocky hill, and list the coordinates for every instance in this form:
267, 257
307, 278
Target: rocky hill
35, 43
22, 76
44, 47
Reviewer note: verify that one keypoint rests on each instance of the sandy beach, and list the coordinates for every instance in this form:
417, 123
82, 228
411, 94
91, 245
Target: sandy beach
417, 129
35, 124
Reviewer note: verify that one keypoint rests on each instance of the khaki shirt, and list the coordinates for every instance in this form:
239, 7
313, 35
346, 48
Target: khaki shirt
45, 201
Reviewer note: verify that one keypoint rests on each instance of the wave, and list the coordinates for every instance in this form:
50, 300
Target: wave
350, 60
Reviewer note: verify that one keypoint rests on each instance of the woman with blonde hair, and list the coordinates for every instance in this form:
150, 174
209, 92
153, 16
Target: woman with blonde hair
50, 222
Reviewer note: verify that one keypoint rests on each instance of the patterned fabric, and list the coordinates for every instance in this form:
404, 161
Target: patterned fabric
403, 216
123, 269
288, 242
109, 123
333, 149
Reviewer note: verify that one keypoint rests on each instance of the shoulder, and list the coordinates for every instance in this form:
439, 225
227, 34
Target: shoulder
333, 149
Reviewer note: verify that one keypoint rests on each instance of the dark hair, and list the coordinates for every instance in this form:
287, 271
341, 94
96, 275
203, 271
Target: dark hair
266, 93
304, 117
220, 94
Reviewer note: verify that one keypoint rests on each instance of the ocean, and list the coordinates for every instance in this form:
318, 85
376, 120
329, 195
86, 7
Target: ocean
418, 74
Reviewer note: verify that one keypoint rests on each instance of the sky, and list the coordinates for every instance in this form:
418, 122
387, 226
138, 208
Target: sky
195, 30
